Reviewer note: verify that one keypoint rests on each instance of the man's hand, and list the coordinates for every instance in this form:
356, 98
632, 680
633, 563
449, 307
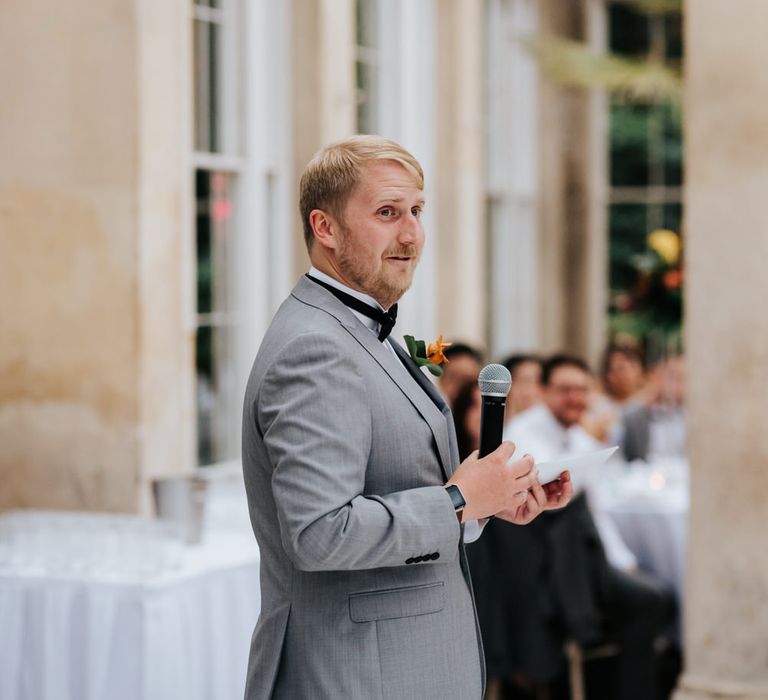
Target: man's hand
492, 485
550, 496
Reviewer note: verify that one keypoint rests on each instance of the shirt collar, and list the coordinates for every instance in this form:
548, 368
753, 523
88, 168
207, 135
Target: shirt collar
343, 287
367, 322
550, 423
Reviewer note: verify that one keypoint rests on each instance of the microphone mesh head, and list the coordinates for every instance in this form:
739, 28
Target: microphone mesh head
494, 380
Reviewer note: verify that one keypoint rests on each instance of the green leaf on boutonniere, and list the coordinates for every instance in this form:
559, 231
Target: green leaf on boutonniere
417, 349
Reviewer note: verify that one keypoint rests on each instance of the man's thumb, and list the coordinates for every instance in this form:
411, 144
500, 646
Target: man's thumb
506, 450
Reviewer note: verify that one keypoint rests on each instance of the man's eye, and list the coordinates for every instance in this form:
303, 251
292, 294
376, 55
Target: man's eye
387, 211
416, 211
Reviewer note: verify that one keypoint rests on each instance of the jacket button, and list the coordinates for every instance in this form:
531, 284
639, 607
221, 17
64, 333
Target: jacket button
409, 560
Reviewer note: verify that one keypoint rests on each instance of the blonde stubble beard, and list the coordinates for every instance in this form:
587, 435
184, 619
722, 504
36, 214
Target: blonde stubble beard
386, 292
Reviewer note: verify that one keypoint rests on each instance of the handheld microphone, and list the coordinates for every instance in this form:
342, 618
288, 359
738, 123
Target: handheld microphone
494, 382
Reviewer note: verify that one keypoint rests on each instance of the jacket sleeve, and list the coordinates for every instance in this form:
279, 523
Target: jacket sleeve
315, 421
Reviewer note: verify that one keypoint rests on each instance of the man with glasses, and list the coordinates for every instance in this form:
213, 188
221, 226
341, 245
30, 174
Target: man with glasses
590, 586
552, 430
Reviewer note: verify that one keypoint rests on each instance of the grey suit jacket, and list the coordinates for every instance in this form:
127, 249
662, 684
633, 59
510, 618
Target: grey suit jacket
364, 584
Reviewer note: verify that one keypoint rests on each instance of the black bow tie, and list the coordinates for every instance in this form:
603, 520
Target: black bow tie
386, 319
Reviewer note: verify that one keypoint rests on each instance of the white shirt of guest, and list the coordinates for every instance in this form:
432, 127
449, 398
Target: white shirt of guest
473, 528
538, 433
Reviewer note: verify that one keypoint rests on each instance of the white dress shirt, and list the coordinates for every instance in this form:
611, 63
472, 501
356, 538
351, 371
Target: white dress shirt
538, 433
472, 529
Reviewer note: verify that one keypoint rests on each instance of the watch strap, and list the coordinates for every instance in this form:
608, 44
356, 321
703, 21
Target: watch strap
457, 497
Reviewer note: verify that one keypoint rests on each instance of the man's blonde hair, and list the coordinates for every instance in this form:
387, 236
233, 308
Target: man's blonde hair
334, 172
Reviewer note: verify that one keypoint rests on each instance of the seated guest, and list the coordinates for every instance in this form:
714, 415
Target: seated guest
463, 365
623, 374
586, 580
658, 427
552, 429
622, 378
467, 407
526, 383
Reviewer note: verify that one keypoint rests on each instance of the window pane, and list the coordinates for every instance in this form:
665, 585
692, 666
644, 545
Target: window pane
673, 217
646, 282
628, 30
203, 229
673, 26
366, 98
206, 87
217, 409
628, 230
214, 247
216, 391
673, 145
366, 12
629, 145
646, 152
366, 66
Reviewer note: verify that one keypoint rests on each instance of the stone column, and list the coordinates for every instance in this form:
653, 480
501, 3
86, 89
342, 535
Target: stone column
459, 178
573, 268
726, 229
95, 252
323, 89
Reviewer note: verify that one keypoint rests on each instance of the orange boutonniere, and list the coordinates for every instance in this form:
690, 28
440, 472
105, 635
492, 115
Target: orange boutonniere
435, 351
430, 356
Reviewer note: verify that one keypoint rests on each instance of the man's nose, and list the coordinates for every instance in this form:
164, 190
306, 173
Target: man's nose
410, 229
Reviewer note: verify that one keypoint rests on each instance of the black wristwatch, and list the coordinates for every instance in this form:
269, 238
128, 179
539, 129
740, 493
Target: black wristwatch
457, 497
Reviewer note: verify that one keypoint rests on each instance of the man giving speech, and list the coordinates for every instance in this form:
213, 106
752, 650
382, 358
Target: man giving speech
355, 490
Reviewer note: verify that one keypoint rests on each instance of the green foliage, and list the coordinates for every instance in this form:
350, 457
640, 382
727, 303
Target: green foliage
646, 290
658, 7
575, 64
643, 77
417, 349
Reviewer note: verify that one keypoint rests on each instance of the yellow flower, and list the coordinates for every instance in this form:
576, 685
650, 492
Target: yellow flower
435, 351
666, 243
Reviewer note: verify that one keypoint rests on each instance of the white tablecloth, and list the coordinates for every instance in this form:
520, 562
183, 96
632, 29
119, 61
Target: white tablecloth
651, 514
656, 534
184, 634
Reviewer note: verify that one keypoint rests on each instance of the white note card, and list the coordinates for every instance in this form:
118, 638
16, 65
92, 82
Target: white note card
549, 471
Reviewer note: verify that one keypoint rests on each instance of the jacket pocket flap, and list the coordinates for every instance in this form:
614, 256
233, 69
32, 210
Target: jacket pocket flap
393, 603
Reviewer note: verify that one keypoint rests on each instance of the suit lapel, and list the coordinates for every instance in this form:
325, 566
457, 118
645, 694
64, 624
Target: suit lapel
429, 388
415, 387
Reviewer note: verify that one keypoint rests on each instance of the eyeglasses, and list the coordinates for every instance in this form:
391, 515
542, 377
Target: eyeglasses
570, 389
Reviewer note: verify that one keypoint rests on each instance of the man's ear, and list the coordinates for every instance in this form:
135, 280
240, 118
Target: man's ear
325, 228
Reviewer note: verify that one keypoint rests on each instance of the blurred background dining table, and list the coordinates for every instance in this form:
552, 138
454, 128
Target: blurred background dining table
648, 502
97, 605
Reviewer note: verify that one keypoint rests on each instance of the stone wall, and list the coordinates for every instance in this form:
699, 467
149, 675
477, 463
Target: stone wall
95, 338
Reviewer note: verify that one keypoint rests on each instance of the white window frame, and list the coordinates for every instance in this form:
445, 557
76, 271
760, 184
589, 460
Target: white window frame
406, 113
512, 177
255, 150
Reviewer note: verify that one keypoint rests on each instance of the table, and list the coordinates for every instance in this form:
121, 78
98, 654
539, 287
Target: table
649, 505
183, 633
